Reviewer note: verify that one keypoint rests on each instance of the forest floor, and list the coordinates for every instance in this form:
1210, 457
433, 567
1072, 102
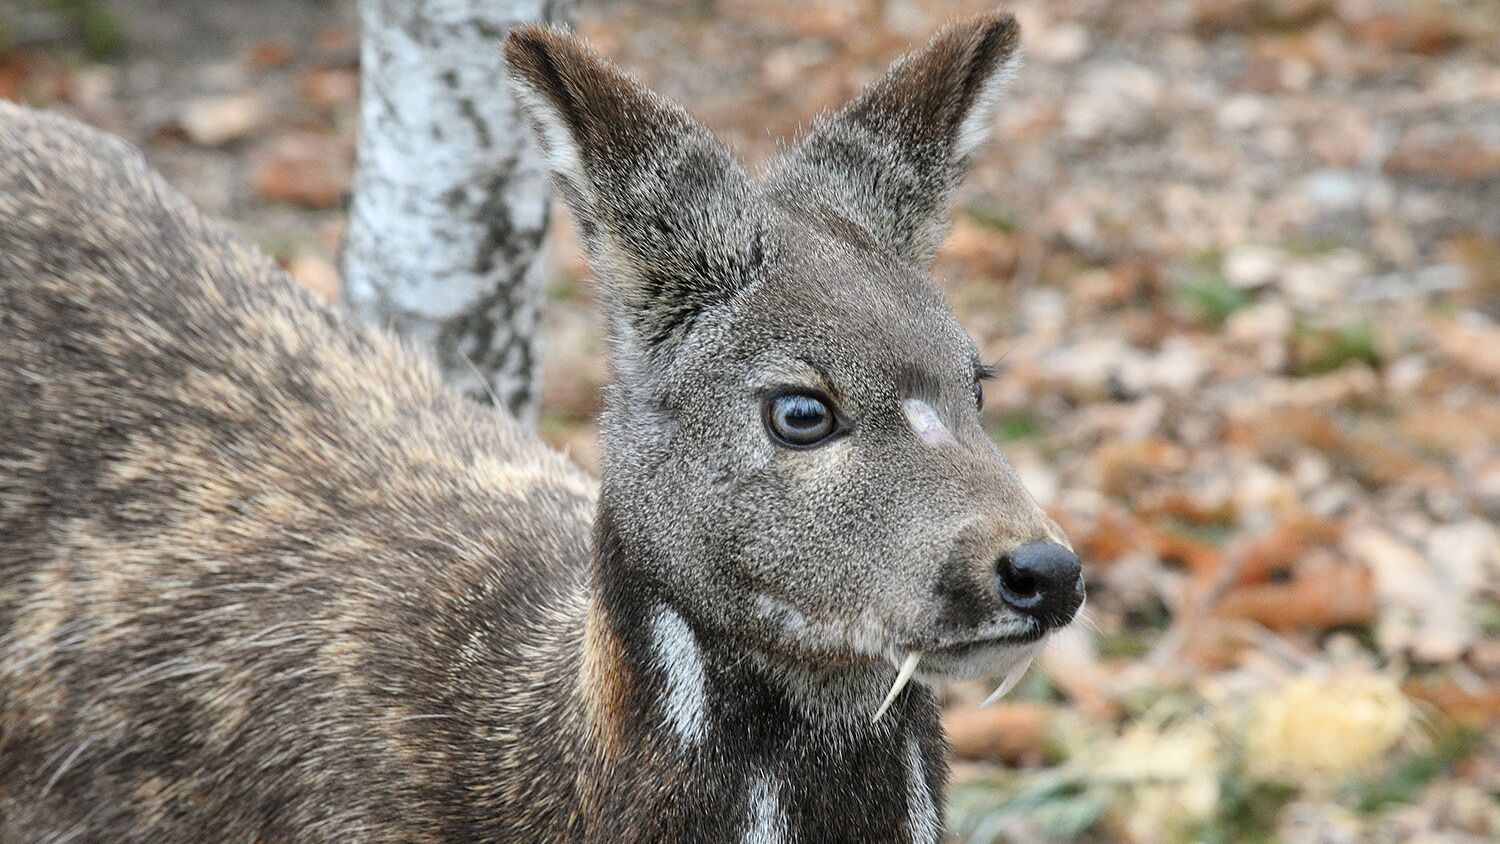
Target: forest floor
1238, 264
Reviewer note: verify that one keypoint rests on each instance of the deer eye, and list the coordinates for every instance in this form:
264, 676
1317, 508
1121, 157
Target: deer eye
800, 420
979, 394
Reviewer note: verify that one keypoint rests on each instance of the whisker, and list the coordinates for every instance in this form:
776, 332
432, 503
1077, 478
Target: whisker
1086, 617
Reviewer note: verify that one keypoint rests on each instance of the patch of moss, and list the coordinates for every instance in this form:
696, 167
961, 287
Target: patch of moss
1313, 247
1215, 533
1058, 807
1402, 784
1248, 811
1000, 221
1206, 259
1126, 644
278, 245
1488, 618
1011, 427
100, 29
554, 425
1316, 351
1211, 299
563, 288
94, 30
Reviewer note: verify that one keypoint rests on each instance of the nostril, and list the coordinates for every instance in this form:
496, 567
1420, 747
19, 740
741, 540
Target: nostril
1018, 587
1043, 580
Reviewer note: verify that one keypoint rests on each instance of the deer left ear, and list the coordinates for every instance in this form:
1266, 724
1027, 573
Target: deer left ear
891, 159
663, 208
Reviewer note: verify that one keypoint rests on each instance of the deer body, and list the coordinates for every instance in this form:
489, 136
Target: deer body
263, 577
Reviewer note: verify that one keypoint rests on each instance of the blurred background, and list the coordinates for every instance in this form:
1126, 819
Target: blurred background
1238, 264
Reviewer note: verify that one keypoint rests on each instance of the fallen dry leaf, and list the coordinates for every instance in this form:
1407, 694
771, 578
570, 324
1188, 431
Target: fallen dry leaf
215, 121
1006, 732
316, 273
1368, 449
1336, 596
1278, 549
1476, 703
265, 55
1424, 597
303, 168
329, 88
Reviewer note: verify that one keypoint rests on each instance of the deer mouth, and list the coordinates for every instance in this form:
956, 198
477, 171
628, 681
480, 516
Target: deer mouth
996, 656
987, 644
1007, 657
960, 650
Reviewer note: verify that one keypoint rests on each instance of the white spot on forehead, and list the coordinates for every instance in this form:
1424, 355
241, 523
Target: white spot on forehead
925, 422
767, 821
682, 665
922, 819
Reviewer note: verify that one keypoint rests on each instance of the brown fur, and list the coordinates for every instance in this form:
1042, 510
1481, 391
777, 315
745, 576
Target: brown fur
203, 546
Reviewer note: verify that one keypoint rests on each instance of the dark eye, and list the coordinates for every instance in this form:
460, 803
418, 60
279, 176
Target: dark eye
982, 373
800, 420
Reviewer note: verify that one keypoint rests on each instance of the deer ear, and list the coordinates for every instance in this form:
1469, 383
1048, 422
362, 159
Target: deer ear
891, 159
664, 209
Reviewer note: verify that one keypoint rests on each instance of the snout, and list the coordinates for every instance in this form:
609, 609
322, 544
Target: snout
1042, 580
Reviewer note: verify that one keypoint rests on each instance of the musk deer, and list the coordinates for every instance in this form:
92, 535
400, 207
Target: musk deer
263, 577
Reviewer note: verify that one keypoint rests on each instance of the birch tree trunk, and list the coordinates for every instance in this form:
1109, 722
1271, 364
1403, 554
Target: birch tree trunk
451, 198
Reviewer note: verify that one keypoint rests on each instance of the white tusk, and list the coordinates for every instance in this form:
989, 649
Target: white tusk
908, 667
1008, 683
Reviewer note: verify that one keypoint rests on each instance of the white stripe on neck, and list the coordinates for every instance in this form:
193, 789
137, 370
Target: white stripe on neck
767, 822
681, 663
922, 818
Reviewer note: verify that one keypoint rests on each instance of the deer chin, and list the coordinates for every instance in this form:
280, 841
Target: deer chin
1001, 657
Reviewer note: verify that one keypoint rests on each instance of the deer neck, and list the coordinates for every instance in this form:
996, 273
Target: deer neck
725, 743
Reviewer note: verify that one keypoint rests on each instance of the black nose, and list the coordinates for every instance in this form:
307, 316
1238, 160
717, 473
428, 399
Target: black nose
1043, 580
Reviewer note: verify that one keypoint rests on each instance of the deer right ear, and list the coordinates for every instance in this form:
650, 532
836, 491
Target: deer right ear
890, 160
663, 208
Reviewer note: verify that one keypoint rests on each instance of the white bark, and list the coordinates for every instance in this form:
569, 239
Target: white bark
451, 196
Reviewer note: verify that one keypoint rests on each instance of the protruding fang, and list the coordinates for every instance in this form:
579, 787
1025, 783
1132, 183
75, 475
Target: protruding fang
1008, 683
908, 667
